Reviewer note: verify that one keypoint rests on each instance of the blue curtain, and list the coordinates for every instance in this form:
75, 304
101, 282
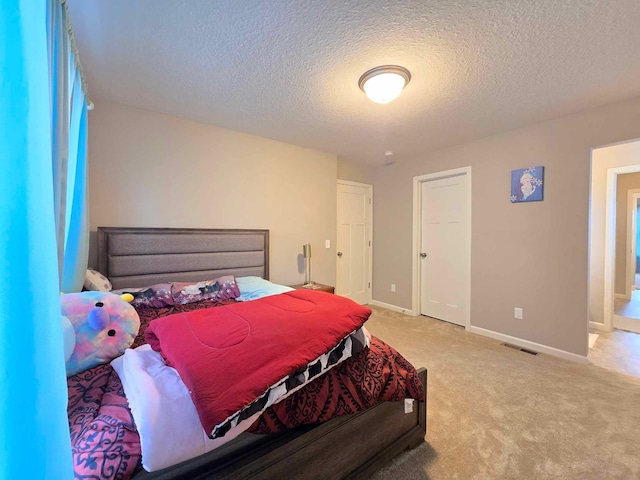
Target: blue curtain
68, 151
59, 53
34, 432
76, 232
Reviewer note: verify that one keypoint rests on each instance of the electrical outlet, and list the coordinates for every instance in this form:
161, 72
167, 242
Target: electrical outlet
393, 287
517, 313
327, 244
408, 405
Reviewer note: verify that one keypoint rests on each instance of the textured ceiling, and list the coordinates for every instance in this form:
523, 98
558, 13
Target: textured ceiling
288, 70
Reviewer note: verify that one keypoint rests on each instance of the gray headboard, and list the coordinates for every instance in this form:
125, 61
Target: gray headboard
139, 257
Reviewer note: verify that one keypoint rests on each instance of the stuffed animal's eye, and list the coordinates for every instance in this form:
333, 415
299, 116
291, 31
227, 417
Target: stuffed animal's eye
111, 332
99, 304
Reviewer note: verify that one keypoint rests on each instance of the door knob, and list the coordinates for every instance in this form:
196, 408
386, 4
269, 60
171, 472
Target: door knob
423, 255
340, 254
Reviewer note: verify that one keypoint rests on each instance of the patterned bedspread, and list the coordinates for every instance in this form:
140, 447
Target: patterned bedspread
105, 442
376, 374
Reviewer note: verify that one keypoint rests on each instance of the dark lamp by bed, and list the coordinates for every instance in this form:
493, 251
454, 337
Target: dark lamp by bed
306, 252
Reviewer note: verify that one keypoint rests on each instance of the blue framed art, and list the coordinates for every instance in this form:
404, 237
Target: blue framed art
527, 184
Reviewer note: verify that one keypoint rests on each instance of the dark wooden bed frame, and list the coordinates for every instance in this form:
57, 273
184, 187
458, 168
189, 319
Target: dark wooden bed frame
350, 447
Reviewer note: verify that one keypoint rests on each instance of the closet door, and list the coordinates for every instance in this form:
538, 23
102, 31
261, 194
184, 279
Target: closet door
443, 249
354, 241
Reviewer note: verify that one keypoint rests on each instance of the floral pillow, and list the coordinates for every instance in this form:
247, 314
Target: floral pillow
222, 288
157, 296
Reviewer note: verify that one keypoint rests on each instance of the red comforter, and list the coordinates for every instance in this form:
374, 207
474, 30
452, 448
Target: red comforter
229, 356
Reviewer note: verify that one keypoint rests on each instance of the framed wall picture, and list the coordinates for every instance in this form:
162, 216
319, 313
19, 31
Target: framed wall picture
527, 184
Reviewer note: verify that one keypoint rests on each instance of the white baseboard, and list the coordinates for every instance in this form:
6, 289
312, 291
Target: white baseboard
628, 324
393, 308
623, 296
598, 326
536, 347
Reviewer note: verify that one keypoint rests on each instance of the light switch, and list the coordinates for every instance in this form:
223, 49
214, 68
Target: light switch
327, 244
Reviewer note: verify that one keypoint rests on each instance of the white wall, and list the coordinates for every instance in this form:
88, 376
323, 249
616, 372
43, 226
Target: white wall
152, 170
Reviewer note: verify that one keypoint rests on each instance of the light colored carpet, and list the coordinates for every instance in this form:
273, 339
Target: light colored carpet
617, 350
496, 413
628, 308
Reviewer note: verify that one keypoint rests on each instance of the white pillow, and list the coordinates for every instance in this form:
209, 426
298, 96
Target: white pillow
94, 280
166, 418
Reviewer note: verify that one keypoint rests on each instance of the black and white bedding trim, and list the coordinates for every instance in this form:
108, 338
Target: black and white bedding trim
353, 343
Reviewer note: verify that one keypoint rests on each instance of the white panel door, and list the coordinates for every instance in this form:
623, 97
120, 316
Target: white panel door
354, 242
444, 247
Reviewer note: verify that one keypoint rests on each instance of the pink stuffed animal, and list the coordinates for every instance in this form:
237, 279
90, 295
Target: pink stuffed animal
104, 326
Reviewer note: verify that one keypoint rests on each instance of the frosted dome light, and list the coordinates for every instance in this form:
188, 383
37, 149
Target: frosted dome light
384, 84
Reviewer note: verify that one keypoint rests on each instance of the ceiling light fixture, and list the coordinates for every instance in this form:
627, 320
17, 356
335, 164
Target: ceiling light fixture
385, 83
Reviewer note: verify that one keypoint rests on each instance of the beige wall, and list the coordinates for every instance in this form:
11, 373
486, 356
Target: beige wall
355, 172
153, 170
531, 255
626, 182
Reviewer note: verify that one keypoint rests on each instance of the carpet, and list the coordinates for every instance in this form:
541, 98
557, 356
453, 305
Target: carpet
496, 413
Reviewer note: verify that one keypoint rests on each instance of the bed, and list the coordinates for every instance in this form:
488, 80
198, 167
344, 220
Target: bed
351, 446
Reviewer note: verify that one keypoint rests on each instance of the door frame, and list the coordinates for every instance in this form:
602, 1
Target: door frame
369, 257
417, 237
630, 254
610, 244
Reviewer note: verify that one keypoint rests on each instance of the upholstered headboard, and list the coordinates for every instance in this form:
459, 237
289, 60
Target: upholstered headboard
138, 257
